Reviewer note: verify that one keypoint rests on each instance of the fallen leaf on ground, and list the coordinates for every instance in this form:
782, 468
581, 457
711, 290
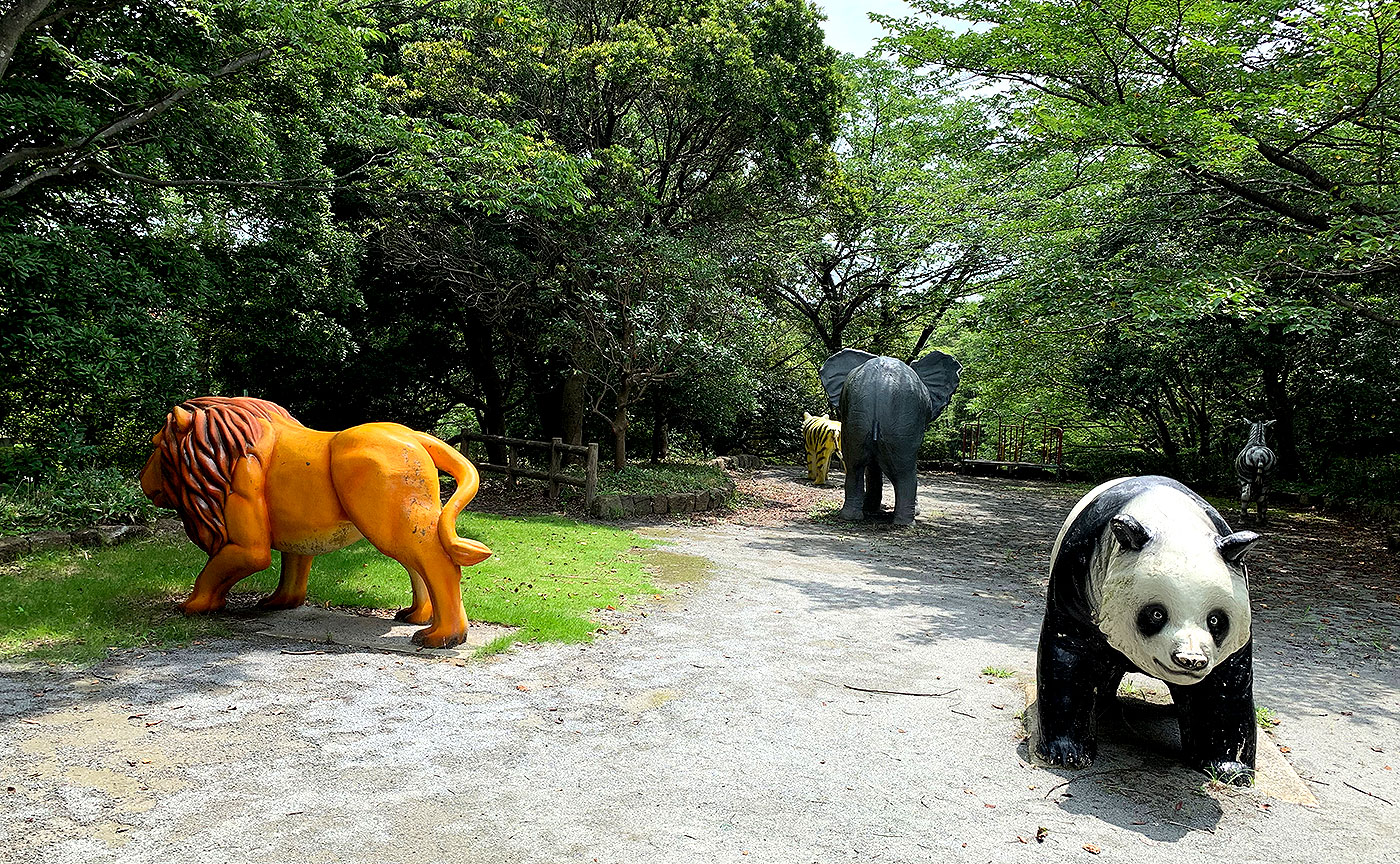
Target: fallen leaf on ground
1092, 849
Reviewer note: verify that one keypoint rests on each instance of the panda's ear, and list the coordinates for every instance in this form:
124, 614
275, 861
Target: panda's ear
1130, 532
1233, 546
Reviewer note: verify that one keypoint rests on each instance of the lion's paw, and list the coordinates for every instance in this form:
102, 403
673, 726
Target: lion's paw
414, 615
199, 606
432, 637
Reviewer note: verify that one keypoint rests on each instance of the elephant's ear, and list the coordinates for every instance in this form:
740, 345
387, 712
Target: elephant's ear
940, 374
837, 368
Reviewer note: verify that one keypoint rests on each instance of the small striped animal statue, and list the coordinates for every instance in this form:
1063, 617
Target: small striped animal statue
822, 438
1253, 466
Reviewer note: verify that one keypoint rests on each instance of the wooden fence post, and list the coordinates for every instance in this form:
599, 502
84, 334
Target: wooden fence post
590, 486
510, 464
554, 455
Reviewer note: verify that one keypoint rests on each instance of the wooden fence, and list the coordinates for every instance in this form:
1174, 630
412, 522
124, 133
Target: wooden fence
555, 476
1016, 443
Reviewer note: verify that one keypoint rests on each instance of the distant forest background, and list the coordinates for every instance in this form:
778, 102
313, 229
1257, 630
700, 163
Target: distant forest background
647, 222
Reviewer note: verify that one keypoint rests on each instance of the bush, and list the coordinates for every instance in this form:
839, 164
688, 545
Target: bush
72, 499
661, 479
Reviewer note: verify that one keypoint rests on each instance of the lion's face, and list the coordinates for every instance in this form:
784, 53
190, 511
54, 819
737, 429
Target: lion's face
152, 483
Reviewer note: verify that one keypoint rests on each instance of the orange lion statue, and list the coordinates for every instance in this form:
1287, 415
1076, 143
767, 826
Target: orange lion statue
247, 478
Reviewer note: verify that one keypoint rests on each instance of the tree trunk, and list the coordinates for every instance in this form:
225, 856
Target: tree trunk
619, 429
1170, 449
1275, 378
660, 431
573, 407
481, 357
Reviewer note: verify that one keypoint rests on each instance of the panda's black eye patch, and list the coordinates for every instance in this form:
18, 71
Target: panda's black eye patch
1151, 619
1218, 623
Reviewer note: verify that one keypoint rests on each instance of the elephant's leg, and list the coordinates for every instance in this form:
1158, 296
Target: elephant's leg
906, 496
874, 487
291, 588
855, 491
420, 611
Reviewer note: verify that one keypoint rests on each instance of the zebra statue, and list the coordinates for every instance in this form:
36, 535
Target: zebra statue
1253, 466
822, 438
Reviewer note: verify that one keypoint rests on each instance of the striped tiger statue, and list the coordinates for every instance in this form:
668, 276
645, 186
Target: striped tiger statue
1253, 466
822, 438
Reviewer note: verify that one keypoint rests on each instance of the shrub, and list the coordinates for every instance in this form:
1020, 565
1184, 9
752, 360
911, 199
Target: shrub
72, 498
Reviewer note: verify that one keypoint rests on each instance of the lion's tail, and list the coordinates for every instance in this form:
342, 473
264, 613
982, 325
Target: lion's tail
462, 550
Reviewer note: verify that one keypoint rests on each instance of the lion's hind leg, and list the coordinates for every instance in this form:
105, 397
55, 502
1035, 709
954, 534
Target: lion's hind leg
443, 580
420, 611
388, 485
291, 588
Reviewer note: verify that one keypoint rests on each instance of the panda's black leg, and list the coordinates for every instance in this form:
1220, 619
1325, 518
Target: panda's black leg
1067, 678
1218, 732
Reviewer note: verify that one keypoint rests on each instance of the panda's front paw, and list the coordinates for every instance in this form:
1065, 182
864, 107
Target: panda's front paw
1234, 773
1067, 752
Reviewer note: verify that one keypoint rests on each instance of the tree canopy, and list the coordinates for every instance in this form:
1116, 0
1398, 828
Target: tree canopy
648, 222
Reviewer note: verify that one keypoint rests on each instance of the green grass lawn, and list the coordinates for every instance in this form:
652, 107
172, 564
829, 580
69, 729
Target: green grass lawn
547, 576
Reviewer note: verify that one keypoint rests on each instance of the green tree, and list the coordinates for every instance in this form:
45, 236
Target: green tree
892, 238
1276, 118
164, 219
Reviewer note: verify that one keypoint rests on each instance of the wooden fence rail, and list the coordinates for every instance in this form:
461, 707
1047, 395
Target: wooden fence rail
555, 475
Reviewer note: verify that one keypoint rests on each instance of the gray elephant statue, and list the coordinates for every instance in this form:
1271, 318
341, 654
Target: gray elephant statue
885, 406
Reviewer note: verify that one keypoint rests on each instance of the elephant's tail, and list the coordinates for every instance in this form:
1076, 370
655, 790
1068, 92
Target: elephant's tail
462, 550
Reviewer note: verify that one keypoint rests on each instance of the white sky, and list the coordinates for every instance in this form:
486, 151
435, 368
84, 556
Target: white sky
847, 27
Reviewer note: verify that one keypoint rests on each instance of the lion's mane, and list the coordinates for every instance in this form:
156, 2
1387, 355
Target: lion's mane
196, 463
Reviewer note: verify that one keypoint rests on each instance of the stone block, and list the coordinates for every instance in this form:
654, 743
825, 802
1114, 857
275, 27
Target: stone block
109, 535
50, 541
89, 537
13, 547
660, 505
680, 502
608, 506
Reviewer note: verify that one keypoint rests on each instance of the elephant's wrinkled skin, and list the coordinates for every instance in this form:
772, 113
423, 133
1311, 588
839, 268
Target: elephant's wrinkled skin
885, 406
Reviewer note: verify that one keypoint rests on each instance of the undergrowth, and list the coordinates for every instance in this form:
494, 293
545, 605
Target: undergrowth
663, 478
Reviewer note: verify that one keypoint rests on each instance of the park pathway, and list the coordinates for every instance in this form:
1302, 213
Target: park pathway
722, 726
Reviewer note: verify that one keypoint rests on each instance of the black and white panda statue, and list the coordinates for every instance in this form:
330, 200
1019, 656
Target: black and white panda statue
1146, 575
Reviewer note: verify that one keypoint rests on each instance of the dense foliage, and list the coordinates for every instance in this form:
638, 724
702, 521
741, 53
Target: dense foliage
647, 222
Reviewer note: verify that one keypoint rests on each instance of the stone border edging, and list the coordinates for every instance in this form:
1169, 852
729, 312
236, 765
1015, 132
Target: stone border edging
617, 506
97, 535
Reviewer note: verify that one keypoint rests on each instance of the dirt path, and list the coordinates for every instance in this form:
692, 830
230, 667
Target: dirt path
718, 727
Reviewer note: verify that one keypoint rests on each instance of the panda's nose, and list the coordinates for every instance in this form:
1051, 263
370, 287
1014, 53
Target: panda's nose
1189, 661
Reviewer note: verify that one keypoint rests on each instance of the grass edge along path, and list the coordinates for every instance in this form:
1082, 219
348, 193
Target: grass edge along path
547, 576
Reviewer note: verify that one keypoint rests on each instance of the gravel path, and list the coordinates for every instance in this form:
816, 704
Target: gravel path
718, 727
